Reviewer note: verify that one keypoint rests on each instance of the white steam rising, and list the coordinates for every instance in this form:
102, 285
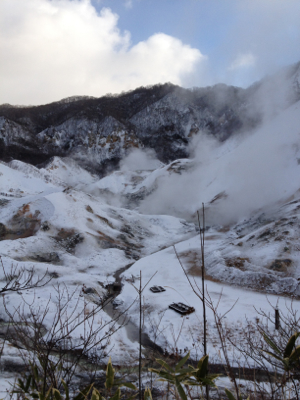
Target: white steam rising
253, 171
139, 159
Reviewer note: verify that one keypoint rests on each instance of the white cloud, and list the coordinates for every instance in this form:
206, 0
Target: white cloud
128, 4
243, 60
52, 49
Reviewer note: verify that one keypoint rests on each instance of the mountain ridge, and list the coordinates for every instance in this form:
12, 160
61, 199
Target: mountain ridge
99, 132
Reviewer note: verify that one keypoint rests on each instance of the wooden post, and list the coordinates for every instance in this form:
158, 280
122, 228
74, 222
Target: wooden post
140, 339
277, 319
202, 238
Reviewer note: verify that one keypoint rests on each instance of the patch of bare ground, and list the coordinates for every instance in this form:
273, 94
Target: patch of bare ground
237, 262
68, 239
105, 220
224, 229
22, 225
131, 249
192, 263
212, 237
281, 265
261, 283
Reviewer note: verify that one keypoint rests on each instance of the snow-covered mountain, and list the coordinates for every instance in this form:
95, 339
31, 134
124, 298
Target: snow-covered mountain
98, 133
169, 150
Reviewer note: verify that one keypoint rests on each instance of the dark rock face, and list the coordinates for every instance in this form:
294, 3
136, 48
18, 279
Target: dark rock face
69, 239
98, 132
52, 258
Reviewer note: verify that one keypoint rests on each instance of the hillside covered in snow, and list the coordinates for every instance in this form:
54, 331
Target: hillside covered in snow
97, 192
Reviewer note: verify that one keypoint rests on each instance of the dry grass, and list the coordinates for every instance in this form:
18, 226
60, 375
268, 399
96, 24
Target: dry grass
237, 262
192, 263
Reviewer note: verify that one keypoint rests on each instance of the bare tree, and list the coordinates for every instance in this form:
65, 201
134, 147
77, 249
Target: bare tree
264, 346
77, 335
140, 290
223, 337
206, 300
156, 331
202, 233
17, 279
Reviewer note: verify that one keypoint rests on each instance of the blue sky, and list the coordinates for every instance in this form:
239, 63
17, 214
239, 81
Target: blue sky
219, 29
198, 23
52, 49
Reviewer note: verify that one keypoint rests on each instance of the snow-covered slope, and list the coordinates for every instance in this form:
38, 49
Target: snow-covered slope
88, 232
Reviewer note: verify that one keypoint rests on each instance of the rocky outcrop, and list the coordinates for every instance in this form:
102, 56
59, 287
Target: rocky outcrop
23, 224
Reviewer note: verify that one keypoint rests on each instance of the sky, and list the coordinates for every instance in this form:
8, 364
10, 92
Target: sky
52, 49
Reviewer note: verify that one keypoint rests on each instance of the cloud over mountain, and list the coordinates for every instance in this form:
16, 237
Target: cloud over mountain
54, 49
